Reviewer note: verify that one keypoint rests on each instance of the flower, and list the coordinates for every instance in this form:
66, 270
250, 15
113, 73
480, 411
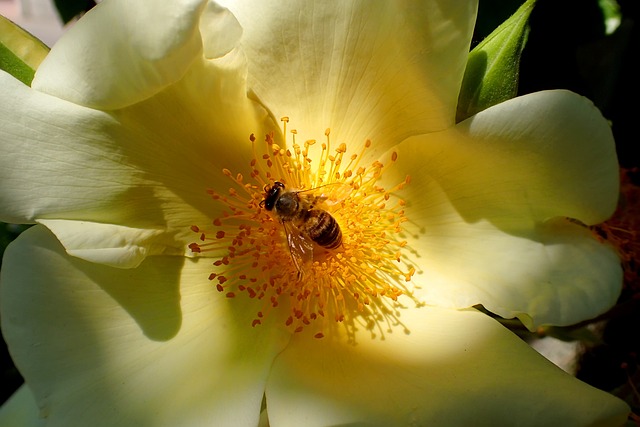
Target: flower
142, 108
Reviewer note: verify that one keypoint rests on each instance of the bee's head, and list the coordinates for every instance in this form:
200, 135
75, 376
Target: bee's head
271, 194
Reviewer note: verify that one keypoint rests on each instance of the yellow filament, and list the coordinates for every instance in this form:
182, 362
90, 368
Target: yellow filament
359, 283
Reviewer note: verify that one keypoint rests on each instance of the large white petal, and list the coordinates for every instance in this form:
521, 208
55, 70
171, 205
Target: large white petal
21, 410
114, 245
523, 161
63, 161
146, 167
452, 369
122, 52
379, 72
485, 205
152, 346
56, 156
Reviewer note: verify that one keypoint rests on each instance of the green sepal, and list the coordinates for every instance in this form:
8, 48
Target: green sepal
20, 52
492, 72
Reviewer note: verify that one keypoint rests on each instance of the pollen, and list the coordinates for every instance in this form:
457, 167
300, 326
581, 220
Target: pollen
361, 282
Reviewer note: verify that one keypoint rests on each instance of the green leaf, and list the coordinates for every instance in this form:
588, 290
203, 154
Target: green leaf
69, 9
611, 13
20, 52
492, 72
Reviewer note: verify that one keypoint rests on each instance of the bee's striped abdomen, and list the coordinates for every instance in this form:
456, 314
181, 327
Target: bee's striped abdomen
323, 229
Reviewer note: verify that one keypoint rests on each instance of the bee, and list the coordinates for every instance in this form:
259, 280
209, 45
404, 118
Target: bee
304, 220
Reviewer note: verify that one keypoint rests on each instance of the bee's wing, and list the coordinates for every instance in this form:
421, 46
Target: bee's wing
328, 194
301, 247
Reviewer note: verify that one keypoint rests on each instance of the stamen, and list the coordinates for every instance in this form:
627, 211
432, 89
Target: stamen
359, 283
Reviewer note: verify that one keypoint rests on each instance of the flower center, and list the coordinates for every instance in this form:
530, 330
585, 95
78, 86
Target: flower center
320, 239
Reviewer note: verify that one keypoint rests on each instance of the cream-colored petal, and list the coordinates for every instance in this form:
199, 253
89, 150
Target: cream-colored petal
153, 346
122, 52
56, 156
109, 244
558, 274
452, 369
21, 410
147, 167
63, 161
206, 118
564, 164
220, 31
485, 205
379, 73
526, 160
